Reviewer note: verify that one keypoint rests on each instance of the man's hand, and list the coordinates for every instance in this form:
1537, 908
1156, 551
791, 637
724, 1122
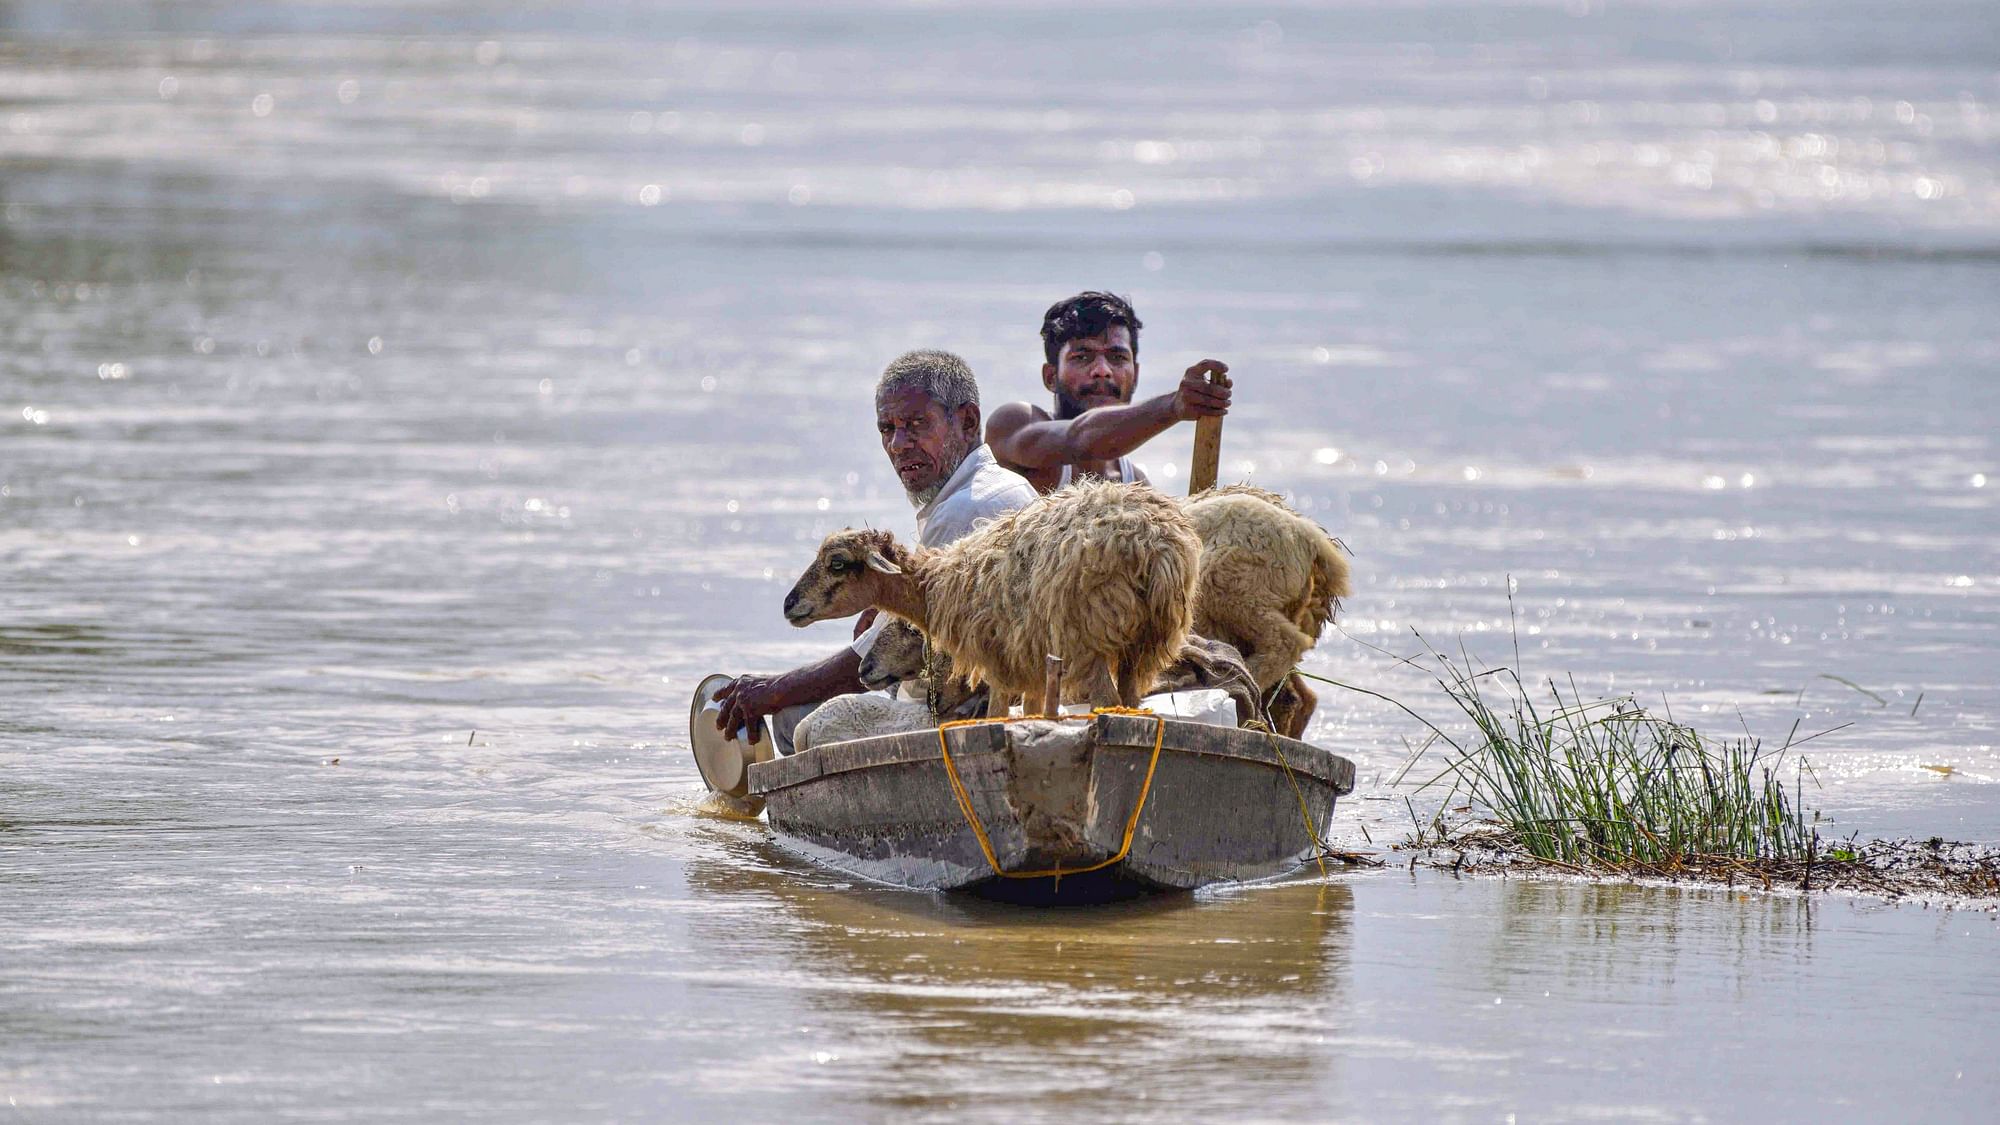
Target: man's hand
745, 701
1197, 397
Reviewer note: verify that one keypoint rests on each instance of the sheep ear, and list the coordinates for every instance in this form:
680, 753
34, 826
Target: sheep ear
878, 561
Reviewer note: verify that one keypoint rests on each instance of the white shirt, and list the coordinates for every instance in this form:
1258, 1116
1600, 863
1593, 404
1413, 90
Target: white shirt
978, 491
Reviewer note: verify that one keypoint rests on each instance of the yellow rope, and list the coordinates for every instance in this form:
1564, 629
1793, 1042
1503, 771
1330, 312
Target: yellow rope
979, 830
1319, 845
964, 796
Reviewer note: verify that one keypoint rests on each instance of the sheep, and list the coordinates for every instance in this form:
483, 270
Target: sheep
1100, 573
1271, 581
899, 655
858, 716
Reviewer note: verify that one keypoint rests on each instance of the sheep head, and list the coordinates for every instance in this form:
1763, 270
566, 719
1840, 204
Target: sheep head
900, 655
849, 574
897, 655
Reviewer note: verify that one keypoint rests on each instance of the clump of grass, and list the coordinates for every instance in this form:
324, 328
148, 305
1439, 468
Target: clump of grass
1607, 787
1608, 784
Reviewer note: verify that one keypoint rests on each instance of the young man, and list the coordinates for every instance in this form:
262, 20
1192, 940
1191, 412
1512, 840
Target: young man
1090, 343
1091, 346
927, 413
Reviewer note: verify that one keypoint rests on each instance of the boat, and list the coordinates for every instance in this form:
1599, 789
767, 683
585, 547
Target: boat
1110, 805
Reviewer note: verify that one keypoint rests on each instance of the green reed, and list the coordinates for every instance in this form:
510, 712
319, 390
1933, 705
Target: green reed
1607, 784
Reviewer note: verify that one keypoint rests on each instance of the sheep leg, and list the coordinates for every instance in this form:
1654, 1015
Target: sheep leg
1130, 690
998, 702
1308, 703
1292, 706
1272, 647
1095, 684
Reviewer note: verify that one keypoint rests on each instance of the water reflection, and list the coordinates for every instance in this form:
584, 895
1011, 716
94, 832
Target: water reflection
1623, 937
1199, 994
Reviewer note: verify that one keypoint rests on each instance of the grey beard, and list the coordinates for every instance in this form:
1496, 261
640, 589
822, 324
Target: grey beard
923, 496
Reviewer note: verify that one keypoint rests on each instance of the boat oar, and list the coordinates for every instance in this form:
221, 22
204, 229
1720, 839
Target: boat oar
1207, 447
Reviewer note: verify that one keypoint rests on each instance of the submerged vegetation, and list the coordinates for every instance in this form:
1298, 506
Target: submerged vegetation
1548, 779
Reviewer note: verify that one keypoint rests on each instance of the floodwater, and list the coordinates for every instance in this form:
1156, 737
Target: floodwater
403, 406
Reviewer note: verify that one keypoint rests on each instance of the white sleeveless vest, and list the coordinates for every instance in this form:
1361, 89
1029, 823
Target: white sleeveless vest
1125, 473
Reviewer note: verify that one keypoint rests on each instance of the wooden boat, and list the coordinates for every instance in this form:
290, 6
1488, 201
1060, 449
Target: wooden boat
1042, 810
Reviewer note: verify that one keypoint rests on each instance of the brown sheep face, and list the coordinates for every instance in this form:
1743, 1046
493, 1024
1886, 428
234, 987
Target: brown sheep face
841, 581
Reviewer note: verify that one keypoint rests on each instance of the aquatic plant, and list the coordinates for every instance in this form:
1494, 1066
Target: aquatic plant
1607, 787
1610, 784
1604, 784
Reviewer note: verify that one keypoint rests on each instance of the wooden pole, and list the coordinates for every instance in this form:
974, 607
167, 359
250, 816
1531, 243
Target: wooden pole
1207, 460
1052, 687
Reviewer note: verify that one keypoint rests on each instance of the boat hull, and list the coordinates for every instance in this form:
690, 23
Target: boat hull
1053, 804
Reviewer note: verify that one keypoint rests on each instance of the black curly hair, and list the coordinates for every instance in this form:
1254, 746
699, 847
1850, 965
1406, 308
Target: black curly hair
1085, 315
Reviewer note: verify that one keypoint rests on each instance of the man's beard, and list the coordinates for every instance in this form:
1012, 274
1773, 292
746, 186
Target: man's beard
1068, 408
956, 455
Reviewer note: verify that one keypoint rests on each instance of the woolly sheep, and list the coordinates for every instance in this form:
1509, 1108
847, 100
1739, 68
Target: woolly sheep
858, 716
1271, 581
899, 656
1100, 573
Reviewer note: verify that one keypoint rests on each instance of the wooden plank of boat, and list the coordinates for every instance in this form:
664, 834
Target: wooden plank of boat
1058, 797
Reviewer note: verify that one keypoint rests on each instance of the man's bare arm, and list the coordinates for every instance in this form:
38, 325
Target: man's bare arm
1022, 440
746, 700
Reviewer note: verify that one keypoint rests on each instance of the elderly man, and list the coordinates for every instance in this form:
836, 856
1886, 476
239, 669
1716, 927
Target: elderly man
927, 413
1090, 344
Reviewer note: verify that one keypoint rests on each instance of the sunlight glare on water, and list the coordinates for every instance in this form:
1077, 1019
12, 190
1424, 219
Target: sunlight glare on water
404, 407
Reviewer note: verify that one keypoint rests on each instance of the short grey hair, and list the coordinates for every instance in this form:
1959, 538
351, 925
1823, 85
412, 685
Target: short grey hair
941, 375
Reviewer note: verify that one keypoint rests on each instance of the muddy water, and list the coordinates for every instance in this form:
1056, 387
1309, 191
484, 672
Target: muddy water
403, 409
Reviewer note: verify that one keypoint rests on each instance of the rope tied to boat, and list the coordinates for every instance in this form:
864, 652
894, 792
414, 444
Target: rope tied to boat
1320, 847
964, 795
